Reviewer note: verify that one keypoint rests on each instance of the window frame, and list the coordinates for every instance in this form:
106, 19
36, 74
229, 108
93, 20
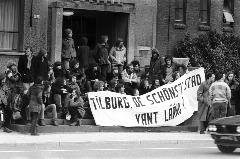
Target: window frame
229, 10
202, 10
184, 9
20, 31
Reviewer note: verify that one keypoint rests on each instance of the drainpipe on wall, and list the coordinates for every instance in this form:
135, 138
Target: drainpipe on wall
169, 20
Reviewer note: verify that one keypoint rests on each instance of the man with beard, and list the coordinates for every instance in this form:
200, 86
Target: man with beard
130, 79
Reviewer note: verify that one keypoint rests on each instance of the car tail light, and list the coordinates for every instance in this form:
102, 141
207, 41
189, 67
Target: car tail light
212, 128
238, 129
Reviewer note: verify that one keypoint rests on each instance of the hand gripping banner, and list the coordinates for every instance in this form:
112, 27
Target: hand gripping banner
168, 105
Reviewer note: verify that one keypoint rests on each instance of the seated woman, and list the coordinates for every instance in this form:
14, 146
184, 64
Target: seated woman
48, 104
74, 103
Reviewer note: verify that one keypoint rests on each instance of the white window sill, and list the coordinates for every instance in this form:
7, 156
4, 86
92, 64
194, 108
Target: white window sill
11, 53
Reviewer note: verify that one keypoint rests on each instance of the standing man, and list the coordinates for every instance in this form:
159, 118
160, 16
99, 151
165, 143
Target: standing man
40, 65
220, 95
68, 48
102, 56
203, 101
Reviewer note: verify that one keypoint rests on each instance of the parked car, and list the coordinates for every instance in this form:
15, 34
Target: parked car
226, 133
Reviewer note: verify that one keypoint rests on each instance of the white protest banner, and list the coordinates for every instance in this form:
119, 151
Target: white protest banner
168, 105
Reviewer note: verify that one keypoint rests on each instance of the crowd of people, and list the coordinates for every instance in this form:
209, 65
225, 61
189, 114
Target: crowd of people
34, 87
218, 97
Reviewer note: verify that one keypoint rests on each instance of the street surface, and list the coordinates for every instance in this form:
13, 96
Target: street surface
119, 150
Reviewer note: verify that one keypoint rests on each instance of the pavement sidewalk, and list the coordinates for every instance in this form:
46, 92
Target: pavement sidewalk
91, 137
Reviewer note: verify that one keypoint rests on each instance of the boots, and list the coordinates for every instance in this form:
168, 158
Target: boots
42, 123
55, 123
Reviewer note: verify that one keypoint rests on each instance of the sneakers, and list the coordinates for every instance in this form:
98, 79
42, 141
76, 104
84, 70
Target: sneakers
7, 130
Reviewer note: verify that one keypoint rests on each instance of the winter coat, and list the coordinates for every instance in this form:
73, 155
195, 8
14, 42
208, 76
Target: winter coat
102, 55
68, 48
25, 72
155, 71
83, 56
36, 101
40, 67
203, 100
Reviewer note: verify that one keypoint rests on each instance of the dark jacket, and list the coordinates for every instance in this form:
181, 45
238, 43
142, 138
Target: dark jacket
40, 67
155, 71
93, 74
68, 48
102, 54
144, 90
57, 88
59, 73
83, 56
36, 101
24, 70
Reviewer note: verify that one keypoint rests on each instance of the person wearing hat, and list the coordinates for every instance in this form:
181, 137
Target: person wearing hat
4, 105
68, 48
156, 64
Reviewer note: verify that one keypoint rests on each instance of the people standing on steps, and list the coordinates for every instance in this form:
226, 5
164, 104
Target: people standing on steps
68, 48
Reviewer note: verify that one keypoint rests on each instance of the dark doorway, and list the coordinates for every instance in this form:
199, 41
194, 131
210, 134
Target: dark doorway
93, 24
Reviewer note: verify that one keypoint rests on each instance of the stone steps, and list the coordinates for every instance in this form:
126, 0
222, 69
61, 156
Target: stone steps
94, 128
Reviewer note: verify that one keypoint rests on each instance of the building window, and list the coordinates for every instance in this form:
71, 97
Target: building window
205, 12
228, 10
180, 11
9, 24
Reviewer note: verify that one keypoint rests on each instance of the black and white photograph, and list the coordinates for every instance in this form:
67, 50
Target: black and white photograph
119, 79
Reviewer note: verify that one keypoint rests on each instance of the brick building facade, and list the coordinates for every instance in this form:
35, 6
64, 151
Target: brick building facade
198, 16
143, 24
41, 22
